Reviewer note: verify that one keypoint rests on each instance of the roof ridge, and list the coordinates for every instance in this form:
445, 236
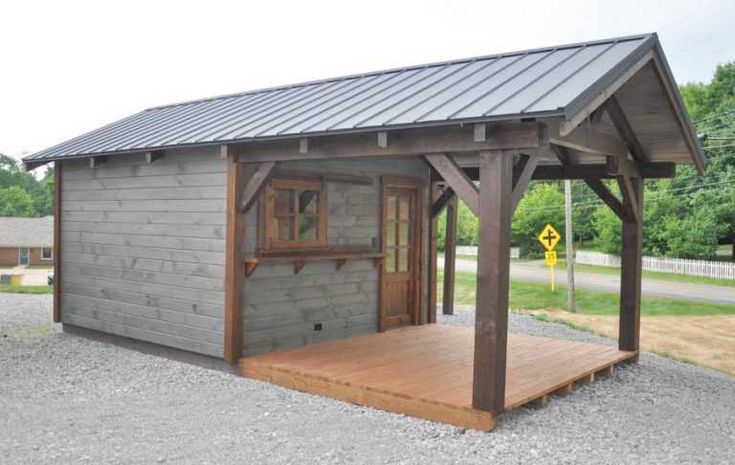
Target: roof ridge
405, 68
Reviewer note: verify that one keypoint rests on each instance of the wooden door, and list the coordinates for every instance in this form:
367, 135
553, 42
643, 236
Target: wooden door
401, 228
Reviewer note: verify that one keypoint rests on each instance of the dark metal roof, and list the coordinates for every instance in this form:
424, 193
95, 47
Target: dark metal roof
555, 81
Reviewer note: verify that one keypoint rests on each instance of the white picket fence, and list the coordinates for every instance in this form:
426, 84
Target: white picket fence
708, 269
515, 252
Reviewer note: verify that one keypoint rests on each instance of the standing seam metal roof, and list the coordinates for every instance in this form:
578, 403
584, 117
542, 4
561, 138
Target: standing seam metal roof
542, 82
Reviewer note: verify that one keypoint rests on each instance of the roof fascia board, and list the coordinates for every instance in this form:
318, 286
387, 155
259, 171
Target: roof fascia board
648, 52
31, 163
588, 101
674, 97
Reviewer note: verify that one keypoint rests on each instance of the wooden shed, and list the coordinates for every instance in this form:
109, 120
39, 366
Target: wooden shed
293, 229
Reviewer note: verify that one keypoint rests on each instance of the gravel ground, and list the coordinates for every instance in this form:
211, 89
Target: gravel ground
67, 399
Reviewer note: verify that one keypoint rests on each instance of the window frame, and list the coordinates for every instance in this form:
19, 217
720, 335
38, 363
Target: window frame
267, 241
51, 253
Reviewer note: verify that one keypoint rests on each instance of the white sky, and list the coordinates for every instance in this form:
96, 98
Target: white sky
67, 67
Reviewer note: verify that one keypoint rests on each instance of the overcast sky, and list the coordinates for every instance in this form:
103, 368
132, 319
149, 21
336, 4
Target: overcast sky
67, 67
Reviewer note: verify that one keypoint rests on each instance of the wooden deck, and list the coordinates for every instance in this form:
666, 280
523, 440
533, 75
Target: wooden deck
426, 371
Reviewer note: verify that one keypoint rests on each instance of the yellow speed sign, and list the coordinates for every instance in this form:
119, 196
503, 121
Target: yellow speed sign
550, 256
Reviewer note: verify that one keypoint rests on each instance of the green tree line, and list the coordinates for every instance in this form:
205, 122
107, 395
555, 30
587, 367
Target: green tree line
684, 217
21, 194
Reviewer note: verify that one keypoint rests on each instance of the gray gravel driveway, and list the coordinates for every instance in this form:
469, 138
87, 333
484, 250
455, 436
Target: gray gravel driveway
67, 399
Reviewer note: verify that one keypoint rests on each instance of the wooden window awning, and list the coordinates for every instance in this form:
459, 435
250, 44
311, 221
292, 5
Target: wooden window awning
340, 255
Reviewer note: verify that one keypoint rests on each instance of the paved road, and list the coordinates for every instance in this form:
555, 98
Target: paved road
536, 271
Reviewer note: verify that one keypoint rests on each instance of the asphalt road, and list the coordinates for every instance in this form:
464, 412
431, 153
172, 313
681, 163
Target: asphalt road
536, 271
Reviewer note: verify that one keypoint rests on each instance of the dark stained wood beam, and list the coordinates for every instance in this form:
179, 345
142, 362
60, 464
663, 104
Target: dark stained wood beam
630, 198
589, 139
522, 174
623, 167
631, 274
436, 193
255, 185
590, 171
58, 166
606, 196
456, 179
450, 255
346, 178
493, 270
624, 128
234, 258
438, 205
408, 142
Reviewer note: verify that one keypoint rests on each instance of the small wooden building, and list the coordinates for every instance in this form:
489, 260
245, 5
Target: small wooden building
294, 226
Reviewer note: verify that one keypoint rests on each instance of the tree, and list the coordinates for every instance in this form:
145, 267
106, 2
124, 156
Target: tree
543, 203
467, 227
14, 201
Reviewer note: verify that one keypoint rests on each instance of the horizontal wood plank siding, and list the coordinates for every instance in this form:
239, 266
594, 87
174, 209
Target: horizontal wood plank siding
281, 308
144, 248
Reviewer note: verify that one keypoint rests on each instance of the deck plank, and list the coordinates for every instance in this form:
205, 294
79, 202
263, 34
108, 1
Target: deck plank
426, 371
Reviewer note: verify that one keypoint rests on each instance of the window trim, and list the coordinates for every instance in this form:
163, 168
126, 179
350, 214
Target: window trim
266, 213
51, 253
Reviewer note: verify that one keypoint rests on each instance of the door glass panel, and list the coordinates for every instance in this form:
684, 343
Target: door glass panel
403, 264
390, 260
390, 233
403, 232
390, 208
403, 208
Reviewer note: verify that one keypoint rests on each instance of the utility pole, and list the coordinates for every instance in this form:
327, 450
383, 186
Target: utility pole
569, 238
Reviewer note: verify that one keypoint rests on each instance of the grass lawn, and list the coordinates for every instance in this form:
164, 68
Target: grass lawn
27, 289
526, 295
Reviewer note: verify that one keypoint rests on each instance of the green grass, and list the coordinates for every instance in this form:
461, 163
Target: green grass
27, 289
526, 295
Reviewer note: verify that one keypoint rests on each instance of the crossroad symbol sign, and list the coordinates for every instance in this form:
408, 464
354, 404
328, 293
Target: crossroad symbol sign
550, 256
549, 237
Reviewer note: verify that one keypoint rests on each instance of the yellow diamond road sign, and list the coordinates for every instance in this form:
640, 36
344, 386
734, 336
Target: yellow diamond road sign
549, 237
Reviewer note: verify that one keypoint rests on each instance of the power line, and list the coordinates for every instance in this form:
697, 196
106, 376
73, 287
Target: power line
596, 203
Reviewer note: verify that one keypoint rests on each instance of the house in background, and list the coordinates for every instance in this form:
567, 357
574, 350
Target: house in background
26, 241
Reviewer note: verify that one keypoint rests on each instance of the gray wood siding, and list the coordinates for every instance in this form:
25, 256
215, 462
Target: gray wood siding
281, 308
143, 248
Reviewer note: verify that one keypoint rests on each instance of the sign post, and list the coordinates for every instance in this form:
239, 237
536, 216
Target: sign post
549, 238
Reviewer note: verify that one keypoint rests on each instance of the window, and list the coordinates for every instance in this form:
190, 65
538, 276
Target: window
46, 253
294, 215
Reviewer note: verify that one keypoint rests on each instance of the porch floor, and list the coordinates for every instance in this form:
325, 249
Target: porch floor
426, 371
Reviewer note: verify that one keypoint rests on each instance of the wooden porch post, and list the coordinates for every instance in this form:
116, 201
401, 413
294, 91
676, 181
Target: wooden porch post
631, 265
234, 258
450, 254
493, 269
